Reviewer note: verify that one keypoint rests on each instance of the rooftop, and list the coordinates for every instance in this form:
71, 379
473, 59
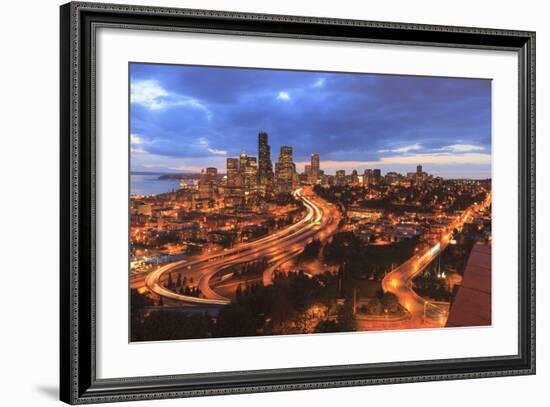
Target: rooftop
472, 299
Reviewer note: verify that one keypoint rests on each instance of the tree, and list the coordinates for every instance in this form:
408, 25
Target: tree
389, 299
170, 283
235, 320
346, 318
172, 325
311, 251
327, 325
239, 293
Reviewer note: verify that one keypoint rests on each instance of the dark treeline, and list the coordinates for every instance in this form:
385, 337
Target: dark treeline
181, 285
257, 310
360, 259
431, 283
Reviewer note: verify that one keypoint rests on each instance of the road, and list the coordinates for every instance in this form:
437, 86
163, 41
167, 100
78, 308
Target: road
321, 220
424, 313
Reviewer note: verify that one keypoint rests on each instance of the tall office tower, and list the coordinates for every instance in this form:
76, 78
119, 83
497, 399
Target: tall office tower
243, 159
419, 174
393, 178
250, 173
205, 187
232, 171
354, 177
315, 169
265, 167
307, 171
285, 171
341, 177
368, 178
377, 175
212, 175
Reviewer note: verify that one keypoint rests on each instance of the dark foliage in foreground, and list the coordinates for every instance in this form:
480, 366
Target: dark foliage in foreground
364, 259
257, 310
172, 325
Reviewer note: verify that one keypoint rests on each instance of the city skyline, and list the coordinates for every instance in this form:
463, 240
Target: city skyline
180, 123
291, 202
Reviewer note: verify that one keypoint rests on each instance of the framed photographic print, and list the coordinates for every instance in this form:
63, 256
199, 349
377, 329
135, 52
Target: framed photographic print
257, 203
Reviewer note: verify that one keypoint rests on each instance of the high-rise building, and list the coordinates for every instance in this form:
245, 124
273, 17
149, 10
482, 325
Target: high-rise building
354, 177
377, 175
368, 178
265, 167
419, 174
393, 178
249, 172
243, 159
204, 186
341, 177
232, 171
212, 175
315, 169
285, 171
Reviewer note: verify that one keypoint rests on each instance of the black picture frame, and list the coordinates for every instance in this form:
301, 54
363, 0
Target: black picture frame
78, 382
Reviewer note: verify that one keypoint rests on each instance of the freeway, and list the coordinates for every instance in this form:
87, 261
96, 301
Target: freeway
321, 219
399, 281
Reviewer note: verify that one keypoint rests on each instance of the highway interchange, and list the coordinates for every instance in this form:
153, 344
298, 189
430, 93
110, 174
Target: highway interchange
320, 221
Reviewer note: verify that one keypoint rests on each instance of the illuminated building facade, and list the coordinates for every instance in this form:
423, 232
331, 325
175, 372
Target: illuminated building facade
265, 167
285, 171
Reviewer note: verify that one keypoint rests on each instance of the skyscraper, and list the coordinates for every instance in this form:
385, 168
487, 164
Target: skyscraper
232, 171
265, 167
368, 177
243, 159
377, 175
354, 177
248, 170
315, 169
205, 187
341, 177
285, 170
212, 174
419, 174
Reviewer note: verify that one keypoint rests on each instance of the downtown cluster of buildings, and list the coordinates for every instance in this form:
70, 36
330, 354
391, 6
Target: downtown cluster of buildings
247, 177
251, 199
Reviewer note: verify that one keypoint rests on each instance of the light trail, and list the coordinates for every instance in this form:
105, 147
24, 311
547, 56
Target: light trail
277, 247
399, 280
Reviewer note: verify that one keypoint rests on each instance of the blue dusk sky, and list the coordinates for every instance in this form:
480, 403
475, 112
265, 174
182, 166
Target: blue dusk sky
184, 118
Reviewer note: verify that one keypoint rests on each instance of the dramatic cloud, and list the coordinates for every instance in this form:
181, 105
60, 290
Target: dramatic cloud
191, 116
283, 96
217, 152
152, 96
461, 148
319, 83
404, 149
135, 139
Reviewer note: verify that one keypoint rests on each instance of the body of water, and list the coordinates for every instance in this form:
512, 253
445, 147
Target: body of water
149, 184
